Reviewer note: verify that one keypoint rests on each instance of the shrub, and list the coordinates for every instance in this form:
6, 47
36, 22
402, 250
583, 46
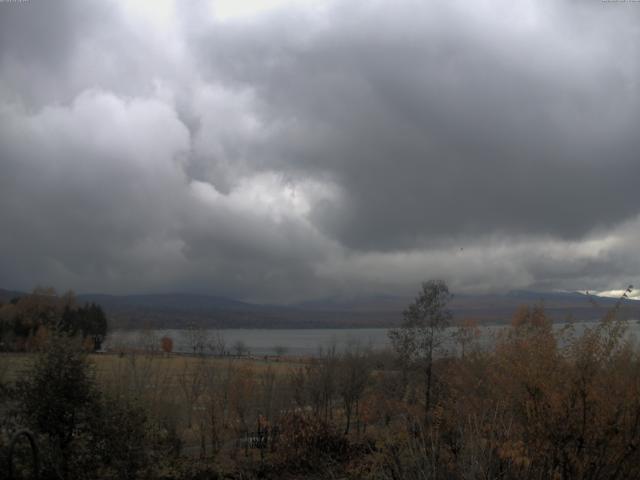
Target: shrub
82, 433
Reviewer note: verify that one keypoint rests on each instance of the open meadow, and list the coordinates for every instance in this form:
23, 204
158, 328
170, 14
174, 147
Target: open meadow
108, 365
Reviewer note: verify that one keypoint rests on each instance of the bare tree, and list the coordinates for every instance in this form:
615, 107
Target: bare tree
297, 381
191, 381
216, 399
353, 377
422, 331
217, 344
240, 348
466, 334
197, 339
148, 340
280, 350
321, 381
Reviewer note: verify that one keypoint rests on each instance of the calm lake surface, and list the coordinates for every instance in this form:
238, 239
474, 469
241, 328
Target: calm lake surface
261, 342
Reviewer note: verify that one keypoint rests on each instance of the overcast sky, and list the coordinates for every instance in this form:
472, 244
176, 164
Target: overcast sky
281, 150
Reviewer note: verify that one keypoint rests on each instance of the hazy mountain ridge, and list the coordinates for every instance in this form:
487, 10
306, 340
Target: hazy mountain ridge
175, 310
8, 295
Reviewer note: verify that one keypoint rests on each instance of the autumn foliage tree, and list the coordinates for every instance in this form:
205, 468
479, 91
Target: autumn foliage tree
28, 319
166, 343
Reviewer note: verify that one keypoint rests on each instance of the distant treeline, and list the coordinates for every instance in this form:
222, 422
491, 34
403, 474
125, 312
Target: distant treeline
165, 311
27, 321
182, 310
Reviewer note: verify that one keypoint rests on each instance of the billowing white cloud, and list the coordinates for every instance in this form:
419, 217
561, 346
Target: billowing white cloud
286, 149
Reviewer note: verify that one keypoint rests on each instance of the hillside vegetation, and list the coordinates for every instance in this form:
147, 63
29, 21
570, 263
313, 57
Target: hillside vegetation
538, 404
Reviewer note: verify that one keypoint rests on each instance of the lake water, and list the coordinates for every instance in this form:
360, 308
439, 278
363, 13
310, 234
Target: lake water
256, 341
261, 342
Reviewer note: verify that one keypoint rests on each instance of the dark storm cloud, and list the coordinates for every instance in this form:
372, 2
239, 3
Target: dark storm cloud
39, 42
317, 148
438, 125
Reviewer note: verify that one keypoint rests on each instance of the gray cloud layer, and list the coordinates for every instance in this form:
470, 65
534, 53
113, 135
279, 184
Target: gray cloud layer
319, 148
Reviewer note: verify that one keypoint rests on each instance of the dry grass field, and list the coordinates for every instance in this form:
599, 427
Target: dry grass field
11, 364
174, 386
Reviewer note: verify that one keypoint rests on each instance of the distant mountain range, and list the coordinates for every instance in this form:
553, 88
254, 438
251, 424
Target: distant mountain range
176, 310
